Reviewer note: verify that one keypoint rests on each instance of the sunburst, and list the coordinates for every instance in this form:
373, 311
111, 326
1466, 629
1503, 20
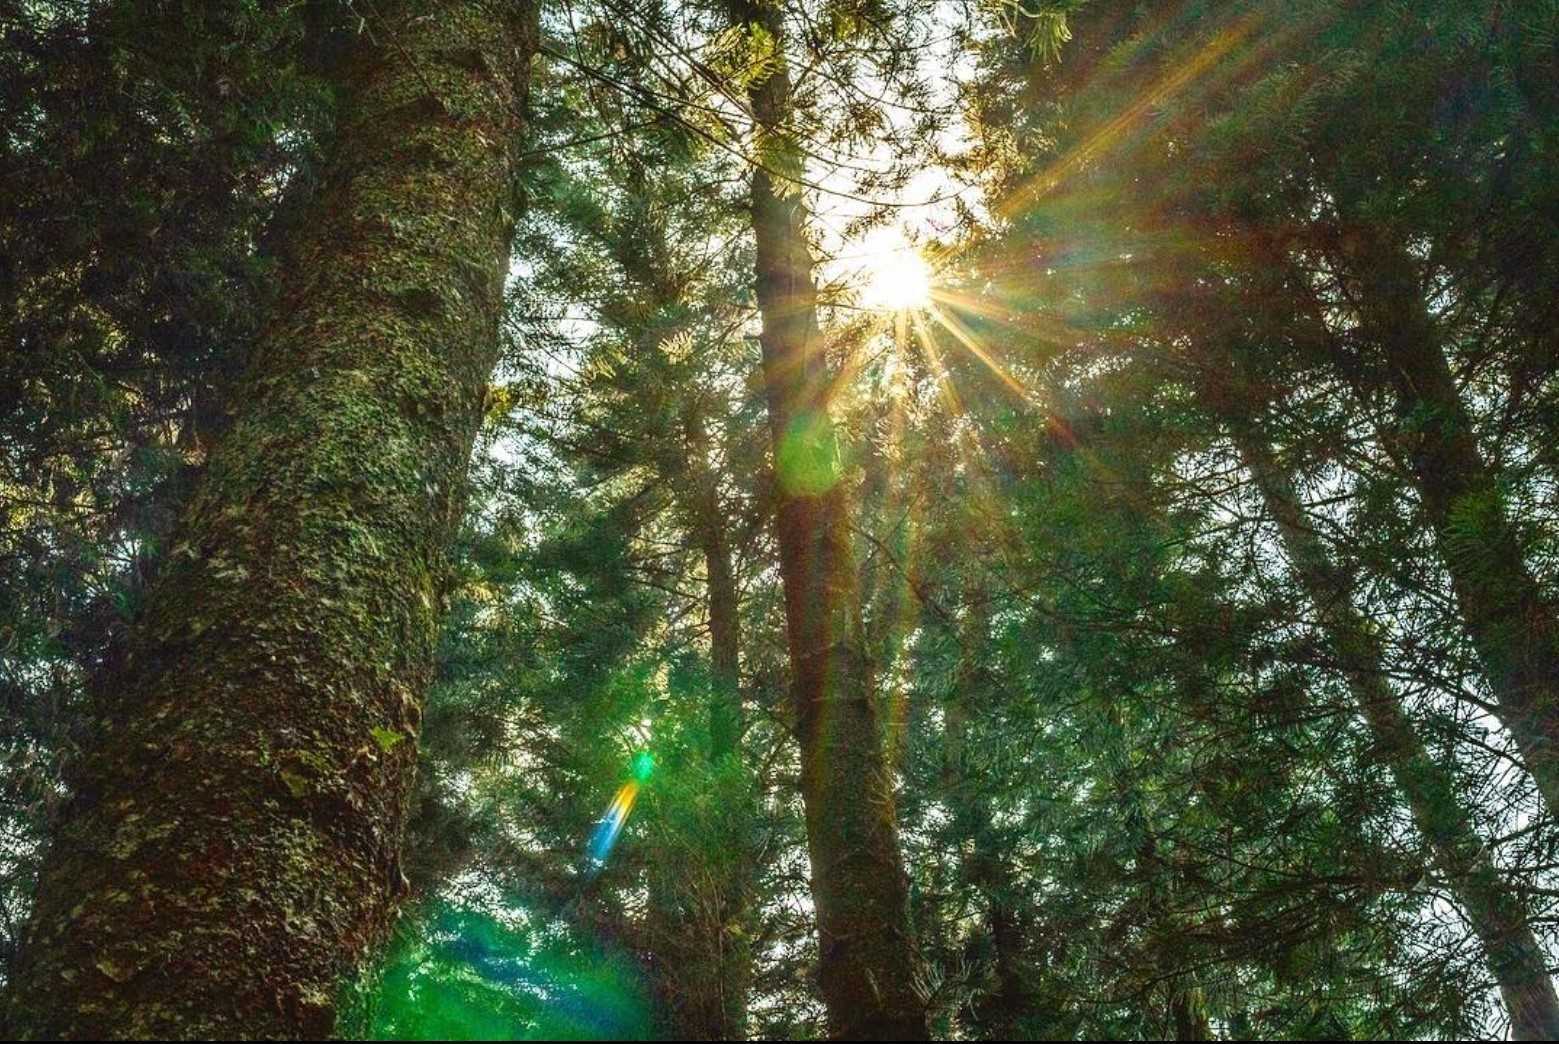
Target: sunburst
897, 277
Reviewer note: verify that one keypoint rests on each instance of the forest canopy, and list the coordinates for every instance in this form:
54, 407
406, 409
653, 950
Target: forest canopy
779, 519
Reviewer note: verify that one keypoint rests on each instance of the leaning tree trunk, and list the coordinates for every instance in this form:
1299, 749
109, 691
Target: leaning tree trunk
866, 947
1513, 627
231, 849
1497, 916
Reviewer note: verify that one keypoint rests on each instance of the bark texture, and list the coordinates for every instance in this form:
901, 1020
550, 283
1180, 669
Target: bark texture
1497, 916
867, 960
231, 850
1190, 1016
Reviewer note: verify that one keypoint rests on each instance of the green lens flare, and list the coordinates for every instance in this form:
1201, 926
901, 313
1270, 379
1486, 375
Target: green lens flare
457, 973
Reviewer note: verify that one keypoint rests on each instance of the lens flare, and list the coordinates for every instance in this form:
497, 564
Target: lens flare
611, 825
606, 832
500, 971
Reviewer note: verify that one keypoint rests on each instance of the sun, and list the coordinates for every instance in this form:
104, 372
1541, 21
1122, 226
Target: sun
896, 276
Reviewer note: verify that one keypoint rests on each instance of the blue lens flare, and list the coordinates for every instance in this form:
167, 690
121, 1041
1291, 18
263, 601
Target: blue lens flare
610, 827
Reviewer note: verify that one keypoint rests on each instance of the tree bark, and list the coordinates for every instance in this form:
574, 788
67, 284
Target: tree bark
230, 852
1497, 916
860, 891
1512, 626
1190, 1015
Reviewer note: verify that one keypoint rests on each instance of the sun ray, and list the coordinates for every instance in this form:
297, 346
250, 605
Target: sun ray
933, 354
973, 346
983, 496
1045, 327
1184, 73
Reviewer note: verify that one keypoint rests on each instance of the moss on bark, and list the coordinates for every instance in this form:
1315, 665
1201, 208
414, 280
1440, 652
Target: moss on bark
231, 849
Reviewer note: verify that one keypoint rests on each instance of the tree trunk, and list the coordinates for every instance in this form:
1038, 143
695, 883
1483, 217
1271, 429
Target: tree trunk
1513, 628
712, 987
231, 849
725, 711
866, 947
725, 638
700, 914
999, 1013
1497, 916
1190, 1015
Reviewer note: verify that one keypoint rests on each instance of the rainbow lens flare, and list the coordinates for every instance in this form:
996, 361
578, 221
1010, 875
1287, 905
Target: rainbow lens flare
604, 838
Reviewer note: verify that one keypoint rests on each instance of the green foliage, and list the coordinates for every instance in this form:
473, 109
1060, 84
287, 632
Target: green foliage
1136, 791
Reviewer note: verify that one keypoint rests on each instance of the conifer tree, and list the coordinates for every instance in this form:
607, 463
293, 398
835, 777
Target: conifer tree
867, 967
232, 846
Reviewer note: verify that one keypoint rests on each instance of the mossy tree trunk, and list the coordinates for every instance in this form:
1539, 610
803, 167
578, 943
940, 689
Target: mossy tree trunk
1496, 914
230, 852
1190, 1015
860, 891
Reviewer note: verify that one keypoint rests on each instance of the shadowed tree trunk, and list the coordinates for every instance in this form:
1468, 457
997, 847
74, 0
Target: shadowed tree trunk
867, 960
1496, 914
231, 849
706, 906
1513, 627
1190, 1015
725, 637
998, 1013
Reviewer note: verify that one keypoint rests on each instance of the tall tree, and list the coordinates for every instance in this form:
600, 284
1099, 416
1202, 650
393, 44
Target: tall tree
1160, 115
867, 960
232, 846
1510, 620
699, 916
1495, 911
142, 152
